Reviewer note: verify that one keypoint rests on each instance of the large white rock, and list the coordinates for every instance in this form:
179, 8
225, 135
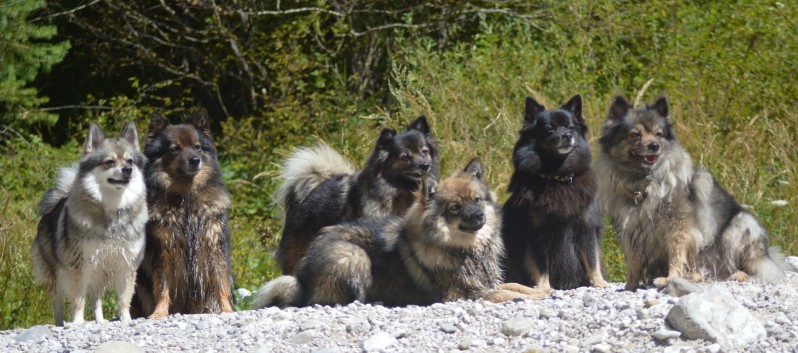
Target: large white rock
714, 315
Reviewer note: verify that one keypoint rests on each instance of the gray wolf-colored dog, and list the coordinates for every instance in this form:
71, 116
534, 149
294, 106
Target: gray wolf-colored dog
321, 188
446, 247
673, 218
91, 233
186, 267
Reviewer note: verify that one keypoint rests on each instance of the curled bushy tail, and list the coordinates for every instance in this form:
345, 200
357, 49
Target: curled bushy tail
282, 291
770, 268
307, 168
64, 183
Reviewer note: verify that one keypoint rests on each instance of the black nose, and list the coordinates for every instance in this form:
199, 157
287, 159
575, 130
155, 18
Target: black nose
194, 161
567, 136
127, 170
654, 146
477, 217
425, 166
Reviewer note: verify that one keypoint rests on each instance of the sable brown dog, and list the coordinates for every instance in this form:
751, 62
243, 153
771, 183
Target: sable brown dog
321, 188
447, 247
186, 267
673, 219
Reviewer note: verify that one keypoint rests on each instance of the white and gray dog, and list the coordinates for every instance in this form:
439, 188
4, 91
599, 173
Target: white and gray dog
91, 234
673, 218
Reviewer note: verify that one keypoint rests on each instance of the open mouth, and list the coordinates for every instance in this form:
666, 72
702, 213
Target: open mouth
647, 160
113, 181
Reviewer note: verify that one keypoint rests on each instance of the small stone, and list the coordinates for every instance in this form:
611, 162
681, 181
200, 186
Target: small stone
34, 333
499, 341
596, 338
308, 325
713, 348
587, 300
378, 341
401, 334
792, 262
532, 313
627, 313
533, 349
547, 313
517, 326
118, 347
358, 326
571, 349
464, 344
200, 326
679, 287
303, 337
181, 325
448, 328
651, 302
601, 348
663, 335
642, 314
94, 338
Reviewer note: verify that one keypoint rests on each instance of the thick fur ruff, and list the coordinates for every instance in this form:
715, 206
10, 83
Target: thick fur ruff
91, 233
552, 222
186, 267
447, 247
673, 219
320, 188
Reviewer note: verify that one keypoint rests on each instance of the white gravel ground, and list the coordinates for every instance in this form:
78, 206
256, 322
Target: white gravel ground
580, 320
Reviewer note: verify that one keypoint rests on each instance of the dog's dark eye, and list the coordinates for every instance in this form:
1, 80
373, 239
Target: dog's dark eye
659, 134
424, 152
635, 134
129, 161
197, 147
455, 207
405, 157
174, 148
571, 127
478, 200
110, 162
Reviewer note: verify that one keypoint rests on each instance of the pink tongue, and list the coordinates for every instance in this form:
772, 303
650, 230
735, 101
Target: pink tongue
650, 159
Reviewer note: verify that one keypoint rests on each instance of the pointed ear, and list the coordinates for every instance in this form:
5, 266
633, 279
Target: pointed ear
157, 124
130, 135
620, 106
201, 121
660, 106
420, 124
474, 167
94, 139
386, 138
574, 106
531, 110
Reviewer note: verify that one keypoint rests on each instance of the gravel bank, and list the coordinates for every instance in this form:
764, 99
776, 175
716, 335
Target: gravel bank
580, 320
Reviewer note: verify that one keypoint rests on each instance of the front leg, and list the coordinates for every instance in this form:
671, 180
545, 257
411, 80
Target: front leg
590, 259
540, 276
124, 290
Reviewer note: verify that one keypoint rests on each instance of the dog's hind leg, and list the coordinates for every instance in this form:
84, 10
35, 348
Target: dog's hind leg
681, 253
539, 278
510, 291
57, 302
593, 267
97, 308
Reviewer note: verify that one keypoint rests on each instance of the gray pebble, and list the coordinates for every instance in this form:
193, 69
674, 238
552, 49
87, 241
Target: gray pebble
517, 326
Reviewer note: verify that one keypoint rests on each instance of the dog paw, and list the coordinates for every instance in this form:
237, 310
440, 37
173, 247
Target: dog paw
158, 315
739, 276
631, 287
661, 282
600, 283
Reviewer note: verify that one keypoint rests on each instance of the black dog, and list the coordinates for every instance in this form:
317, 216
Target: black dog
552, 221
321, 188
